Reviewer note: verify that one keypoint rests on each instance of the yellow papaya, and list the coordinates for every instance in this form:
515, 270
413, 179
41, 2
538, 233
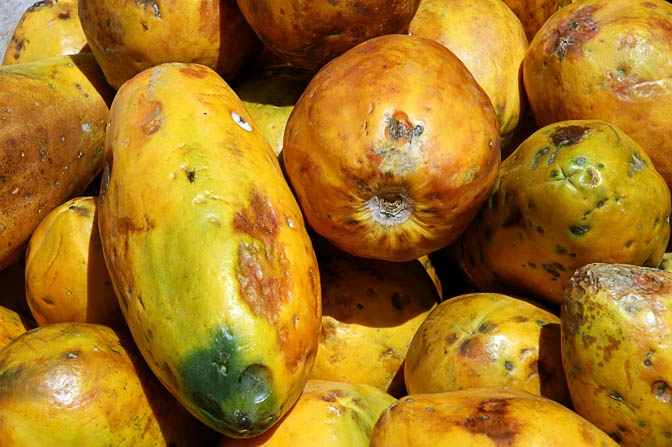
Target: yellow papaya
11, 326
207, 249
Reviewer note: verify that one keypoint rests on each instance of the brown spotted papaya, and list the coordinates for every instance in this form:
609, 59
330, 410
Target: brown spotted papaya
207, 249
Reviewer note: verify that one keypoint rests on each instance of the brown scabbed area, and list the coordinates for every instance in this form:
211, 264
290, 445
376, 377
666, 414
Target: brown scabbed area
573, 32
489, 418
568, 135
263, 271
152, 118
194, 71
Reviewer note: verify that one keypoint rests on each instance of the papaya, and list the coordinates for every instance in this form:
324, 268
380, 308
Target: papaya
66, 276
489, 39
484, 417
80, 384
616, 332
53, 115
607, 60
127, 37
11, 326
207, 249
328, 414
396, 170
574, 192
46, 29
534, 13
487, 339
310, 34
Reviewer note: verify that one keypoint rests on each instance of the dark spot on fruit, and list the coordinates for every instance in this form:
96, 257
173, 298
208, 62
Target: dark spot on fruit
508, 365
551, 269
64, 15
572, 32
417, 130
490, 419
579, 230
399, 127
191, 175
540, 230
616, 437
568, 135
352, 222
515, 217
399, 301
450, 338
574, 314
486, 327
327, 397
662, 391
532, 264
540, 153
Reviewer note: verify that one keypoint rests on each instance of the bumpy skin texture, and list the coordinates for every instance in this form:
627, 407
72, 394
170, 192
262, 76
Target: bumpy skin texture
11, 326
533, 13
311, 33
488, 37
269, 96
82, 384
607, 60
616, 332
128, 36
47, 28
207, 249
328, 414
66, 276
484, 417
370, 311
487, 339
399, 169
53, 115
573, 193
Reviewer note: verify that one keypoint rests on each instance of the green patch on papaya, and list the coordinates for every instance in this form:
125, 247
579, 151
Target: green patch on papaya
235, 395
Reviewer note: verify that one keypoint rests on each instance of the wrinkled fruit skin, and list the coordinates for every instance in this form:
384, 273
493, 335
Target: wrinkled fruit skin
616, 332
607, 60
46, 29
207, 249
53, 115
328, 414
70, 384
573, 193
398, 170
533, 13
128, 37
487, 339
66, 276
489, 39
484, 417
310, 34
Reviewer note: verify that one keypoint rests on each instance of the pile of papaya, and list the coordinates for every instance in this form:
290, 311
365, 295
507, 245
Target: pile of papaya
276, 222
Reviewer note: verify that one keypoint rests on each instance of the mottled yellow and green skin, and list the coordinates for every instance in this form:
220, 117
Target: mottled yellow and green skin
269, 96
489, 39
46, 29
573, 193
487, 339
207, 249
80, 384
607, 60
328, 414
371, 310
66, 276
128, 36
616, 332
11, 325
392, 148
484, 417
53, 114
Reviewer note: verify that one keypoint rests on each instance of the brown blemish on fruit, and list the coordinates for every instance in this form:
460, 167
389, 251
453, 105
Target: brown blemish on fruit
573, 32
450, 338
153, 118
661, 391
399, 127
613, 345
194, 71
490, 419
568, 135
64, 15
259, 220
472, 348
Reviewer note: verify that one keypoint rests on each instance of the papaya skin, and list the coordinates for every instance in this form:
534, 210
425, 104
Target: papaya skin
616, 332
396, 171
487, 339
46, 29
81, 384
328, 414
489, 39
128, 37
11, 326
207, 249
574, 192
484, 417
310, 34
607, 60
533, 13
53, 115
66, 276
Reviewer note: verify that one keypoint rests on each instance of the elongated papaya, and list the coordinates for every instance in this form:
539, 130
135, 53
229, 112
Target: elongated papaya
207, 249
53, 115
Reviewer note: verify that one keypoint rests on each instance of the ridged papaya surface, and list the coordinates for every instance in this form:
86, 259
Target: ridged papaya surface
207, 249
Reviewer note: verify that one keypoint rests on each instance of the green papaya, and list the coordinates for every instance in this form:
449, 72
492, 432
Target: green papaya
207, 249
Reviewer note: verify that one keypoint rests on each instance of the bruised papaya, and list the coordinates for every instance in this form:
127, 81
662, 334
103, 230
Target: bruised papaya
53, 115
207, 249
